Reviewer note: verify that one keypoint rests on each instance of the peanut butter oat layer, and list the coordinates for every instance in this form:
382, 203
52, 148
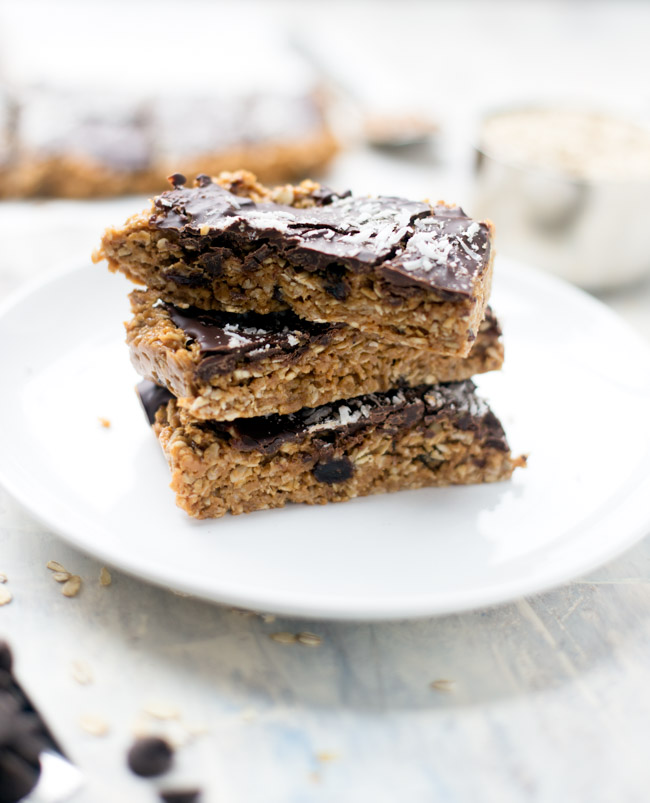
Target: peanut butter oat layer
224, 366
407, 438
406, 271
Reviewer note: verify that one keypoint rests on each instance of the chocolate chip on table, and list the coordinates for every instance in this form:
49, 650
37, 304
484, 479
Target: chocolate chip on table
185, 796
20, 746
6, 660
150, 756
17, 777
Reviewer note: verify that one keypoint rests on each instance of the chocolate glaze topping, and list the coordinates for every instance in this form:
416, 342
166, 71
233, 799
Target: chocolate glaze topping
152, 397
227, 339
409, 243
392, 411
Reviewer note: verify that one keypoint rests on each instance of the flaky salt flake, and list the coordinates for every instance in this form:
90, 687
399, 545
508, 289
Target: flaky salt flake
469, 252
472, 230
105, 578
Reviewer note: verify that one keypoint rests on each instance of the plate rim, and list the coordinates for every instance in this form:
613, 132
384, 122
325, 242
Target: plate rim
363, 608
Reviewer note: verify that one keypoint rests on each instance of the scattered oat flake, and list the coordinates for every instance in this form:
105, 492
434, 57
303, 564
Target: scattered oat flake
5, 596
105, 422
72, 586
443, 685
93, 724
249, 714
61, 577
326, 755
269, 618
309, 639
3, 577
196, 729
143, 727
243, 612
283, 638
105, 578
55, 566
161, 710
82, 673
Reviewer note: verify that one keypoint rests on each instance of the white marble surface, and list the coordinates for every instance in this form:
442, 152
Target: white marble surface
548, 697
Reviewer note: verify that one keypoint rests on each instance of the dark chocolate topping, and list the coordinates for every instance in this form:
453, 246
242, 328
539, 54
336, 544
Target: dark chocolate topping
228, 339
152, 397
393, 410
407, 242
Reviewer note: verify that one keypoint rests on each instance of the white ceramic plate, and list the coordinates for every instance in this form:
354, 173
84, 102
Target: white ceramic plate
575, 395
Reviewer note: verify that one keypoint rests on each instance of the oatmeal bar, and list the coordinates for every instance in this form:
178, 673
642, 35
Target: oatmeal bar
407, 438
75, 143
406, 271
224, 365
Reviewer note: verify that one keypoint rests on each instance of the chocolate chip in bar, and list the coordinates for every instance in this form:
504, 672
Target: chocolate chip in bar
334, 471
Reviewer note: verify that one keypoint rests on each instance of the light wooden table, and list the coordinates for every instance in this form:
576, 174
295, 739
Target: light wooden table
545, 699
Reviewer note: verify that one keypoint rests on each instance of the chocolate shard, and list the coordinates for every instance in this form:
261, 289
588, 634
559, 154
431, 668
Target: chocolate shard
393, 411
152, 397
227, 338
409, 243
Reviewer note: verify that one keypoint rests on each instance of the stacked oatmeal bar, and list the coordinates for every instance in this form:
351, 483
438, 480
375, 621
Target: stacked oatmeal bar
300, 345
